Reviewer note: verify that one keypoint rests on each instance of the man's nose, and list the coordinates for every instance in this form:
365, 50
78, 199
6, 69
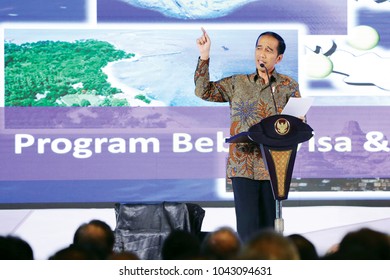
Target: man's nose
261, 53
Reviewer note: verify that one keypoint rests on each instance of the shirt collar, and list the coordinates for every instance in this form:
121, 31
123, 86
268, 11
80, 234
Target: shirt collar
274, 76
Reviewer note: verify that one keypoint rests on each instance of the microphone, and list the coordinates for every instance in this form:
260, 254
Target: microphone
262, 65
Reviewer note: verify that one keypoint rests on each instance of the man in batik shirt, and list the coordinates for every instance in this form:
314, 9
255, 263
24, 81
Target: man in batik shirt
250, 99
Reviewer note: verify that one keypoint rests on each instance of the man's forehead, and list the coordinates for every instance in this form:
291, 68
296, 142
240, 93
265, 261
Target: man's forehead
267, 40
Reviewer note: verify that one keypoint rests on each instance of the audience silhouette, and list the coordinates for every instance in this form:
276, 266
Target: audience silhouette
269, 245
96, 236
306, 249
94, 241
363, 244
75, 252
15, 248
124, 256
222, 244
180, 245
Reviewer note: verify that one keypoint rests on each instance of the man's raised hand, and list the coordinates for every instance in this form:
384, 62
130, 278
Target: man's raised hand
204, 44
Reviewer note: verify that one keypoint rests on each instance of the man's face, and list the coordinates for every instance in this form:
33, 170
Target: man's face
267, 53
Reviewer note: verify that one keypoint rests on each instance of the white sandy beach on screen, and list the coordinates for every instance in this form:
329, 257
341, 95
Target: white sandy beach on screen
128, 92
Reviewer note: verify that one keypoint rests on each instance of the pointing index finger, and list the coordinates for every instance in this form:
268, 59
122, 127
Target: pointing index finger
204, 33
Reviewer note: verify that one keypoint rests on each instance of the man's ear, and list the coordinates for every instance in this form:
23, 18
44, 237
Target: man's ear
279, 58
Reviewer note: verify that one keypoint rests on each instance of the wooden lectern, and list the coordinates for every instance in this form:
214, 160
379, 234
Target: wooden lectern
278, 137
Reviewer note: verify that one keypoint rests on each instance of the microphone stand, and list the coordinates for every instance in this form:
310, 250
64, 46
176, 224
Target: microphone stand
279, 222
270, 86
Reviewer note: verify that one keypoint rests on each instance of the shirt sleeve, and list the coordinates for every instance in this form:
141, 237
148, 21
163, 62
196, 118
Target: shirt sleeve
217, 91
295, 89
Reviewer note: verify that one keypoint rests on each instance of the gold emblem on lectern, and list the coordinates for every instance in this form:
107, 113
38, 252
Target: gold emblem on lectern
282, 126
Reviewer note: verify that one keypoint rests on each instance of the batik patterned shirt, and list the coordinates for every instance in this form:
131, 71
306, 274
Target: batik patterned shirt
250, 101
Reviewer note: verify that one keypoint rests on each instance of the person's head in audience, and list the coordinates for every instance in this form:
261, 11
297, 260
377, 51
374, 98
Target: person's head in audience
222, 244
363, 244
97, 236
306, 249
180, 245
269, 245
15, 248
75, 252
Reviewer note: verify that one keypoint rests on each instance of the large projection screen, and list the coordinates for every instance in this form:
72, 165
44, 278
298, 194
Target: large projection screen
98, 105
